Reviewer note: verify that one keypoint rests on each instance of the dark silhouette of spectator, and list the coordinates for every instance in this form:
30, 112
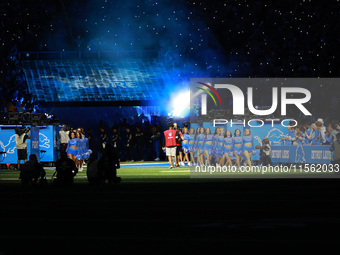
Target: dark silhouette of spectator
90, 137
115, 139
31, 171
92, 170
108, 165
66, 170
156, 141
139, 140
127, 144
103, 138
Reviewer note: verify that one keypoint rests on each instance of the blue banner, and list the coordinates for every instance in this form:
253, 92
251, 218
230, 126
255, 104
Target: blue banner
47, 145
312, 154
35, 142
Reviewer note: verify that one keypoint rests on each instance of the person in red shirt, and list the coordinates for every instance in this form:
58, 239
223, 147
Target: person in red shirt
179, 139
169, 144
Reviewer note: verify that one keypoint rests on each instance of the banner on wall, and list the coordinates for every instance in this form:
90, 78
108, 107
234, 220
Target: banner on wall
35, 142
312, 154
43, 136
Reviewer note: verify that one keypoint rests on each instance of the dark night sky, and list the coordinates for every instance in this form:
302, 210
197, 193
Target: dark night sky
229, 38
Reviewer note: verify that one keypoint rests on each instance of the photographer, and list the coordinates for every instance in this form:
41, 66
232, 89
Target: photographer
31, 171
266, 150
66, 170
64, 138
21, 136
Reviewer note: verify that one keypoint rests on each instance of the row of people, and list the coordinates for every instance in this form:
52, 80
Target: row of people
127, 140
315, 134
221, 146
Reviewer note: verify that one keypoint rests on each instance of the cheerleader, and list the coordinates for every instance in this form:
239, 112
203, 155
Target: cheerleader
216, 134
192, 144
237, 148
81, 151
82, 132
185, 145
199, 146
248, 146
219, 146
72, 147
207, 147
227, 149
195, 150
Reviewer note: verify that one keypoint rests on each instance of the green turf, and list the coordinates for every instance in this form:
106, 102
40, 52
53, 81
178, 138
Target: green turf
126, 173
160, 174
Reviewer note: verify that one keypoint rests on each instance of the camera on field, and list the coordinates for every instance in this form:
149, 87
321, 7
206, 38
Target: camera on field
21, 130
266, 148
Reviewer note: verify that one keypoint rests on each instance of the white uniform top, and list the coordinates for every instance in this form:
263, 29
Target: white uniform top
19, 141
64, 136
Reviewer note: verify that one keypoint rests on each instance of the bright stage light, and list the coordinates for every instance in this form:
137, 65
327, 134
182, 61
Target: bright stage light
180, 104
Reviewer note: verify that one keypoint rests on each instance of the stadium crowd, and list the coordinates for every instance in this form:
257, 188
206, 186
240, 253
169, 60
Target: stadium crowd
14, 94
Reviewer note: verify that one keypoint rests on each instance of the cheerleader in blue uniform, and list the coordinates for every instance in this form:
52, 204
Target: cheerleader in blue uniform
216, 134
72, 149
199, 146
219, 146
88, 152
192, 146
207, 147
185, 145
81, 151
237, 148
227, 149
248, 146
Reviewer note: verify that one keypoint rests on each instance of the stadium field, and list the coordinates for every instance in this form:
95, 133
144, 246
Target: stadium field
160, 172
129, 172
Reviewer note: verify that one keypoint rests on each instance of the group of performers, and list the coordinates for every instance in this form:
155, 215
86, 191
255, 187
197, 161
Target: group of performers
78, 147
221, 146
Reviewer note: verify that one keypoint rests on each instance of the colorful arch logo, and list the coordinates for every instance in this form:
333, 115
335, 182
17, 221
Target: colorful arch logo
209, 93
